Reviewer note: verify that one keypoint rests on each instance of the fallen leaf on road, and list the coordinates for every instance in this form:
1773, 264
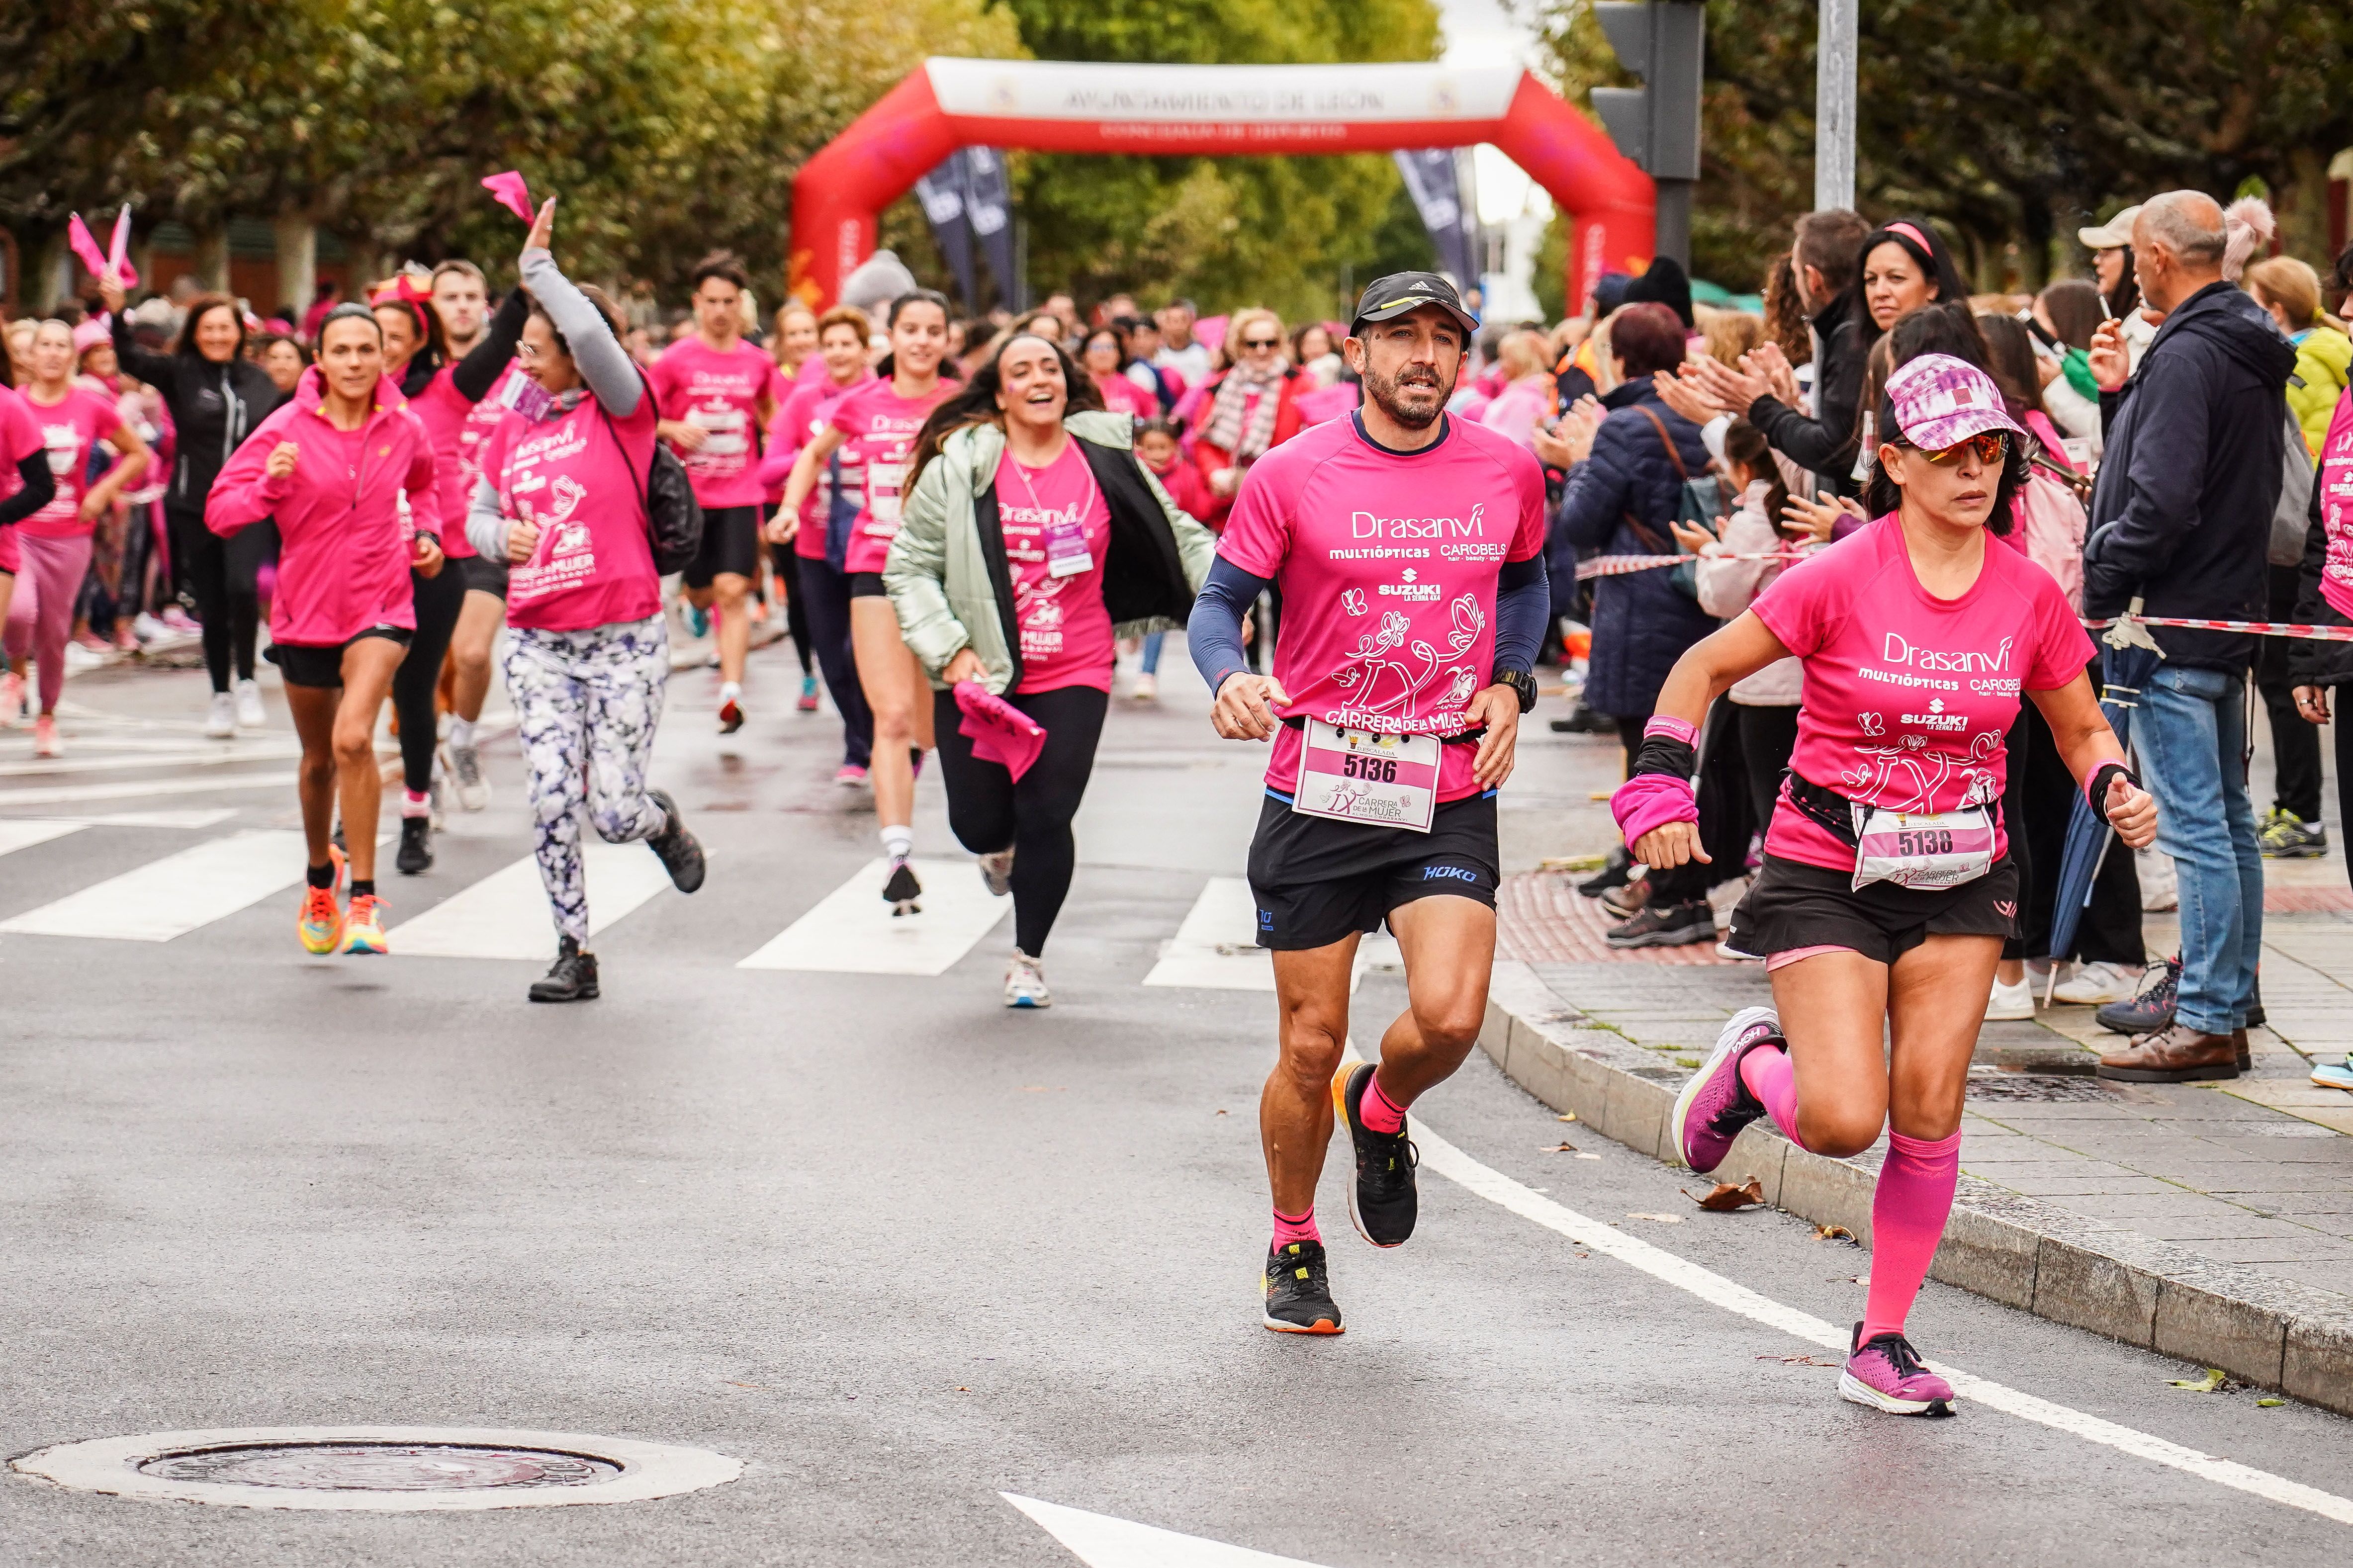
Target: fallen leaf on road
1799, 1361
2262, 1403
1661, 1218
1563, 1147
1566, 1116
1832, 1233
2214, 1379
1585, 1156
1725, 1198
1221, 1114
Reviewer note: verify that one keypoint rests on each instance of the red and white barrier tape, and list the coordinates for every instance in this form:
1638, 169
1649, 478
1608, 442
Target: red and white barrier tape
2259, 629
1619, 565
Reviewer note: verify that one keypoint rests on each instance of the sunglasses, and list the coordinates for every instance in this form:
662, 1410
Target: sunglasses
1990, 446
1261, 342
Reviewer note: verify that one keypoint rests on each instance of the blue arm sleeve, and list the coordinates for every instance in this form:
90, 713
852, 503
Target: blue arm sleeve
1523, 604
1214, 633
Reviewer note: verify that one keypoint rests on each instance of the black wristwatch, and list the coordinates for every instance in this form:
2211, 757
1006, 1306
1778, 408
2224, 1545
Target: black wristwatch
1520, 682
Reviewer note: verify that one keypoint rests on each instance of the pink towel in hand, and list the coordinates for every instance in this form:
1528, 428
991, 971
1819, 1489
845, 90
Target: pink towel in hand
999, 731
513, 194
1650, 801
85, 245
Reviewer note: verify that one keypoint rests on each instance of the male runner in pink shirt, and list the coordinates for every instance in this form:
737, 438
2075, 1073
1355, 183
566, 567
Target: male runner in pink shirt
1409, 549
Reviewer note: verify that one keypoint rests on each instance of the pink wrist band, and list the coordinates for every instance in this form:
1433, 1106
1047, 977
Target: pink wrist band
1650, 801
1674, 729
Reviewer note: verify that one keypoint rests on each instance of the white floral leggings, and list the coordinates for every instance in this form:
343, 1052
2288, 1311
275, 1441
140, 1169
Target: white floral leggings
588, 702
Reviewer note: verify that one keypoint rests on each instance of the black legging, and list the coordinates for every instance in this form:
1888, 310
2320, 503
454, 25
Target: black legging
823, 595
989, 811
438, 600
231, 614
784, 566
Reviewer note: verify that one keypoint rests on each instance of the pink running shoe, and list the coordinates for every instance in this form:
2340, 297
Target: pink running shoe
1715, 1105
1888, 1374
849, 775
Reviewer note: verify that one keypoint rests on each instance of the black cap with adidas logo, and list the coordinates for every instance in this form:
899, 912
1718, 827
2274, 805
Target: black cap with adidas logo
1394, 295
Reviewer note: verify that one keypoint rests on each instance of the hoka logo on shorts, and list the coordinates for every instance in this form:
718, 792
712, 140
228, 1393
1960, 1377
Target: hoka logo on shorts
1372, 525
1966, 661
1449, 873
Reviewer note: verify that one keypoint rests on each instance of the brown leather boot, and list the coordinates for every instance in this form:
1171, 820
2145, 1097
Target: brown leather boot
2246, 1053
2174, 1055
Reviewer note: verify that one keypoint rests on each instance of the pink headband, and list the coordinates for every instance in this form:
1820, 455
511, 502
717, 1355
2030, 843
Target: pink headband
1913, 234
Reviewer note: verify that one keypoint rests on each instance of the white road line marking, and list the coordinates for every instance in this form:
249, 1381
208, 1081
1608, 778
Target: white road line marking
81, 794
22, 835
853, 931
505, 914
191, 758
1438, 1154
1102, 1541
174, 896
1216, 948
194, 817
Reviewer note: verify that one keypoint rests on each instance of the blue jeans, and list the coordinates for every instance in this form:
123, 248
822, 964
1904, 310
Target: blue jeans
1151, 665
2192, 734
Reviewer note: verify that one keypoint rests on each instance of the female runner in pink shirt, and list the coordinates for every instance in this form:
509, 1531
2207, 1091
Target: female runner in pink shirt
55, 540
820, 586
1887, 889
875, 427
346, 469
26, 487
562, 498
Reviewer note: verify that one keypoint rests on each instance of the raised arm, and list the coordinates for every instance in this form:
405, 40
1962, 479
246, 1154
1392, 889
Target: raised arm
612, 375
474, 375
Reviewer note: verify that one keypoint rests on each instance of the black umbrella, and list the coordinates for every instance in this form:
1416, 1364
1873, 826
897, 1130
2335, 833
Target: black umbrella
2125, 666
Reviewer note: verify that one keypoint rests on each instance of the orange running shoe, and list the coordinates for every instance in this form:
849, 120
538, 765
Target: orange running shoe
364, 926
321, 926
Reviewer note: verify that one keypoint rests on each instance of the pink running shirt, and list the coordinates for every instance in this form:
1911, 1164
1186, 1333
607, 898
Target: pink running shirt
697, 385
2336, 482
70, 429
882, 427
1065, 628
1907, 697
20, 437
1387, 563
807, 410
458, 429
569, 475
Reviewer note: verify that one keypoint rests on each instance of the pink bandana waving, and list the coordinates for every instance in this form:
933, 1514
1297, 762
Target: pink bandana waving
511, 193
999, 731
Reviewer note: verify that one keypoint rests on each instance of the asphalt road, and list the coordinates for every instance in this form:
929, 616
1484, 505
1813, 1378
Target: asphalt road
902, 1251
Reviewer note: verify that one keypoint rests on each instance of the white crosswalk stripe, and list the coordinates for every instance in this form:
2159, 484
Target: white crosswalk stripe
24, 834
1217, 947
174, 896
853, 931
505, 914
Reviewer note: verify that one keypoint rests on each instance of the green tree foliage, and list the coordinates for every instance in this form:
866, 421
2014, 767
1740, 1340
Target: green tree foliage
669, 126
2009, 124
1286, 232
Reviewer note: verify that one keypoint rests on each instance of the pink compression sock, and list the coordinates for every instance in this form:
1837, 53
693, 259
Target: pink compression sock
1378, 1112
1288, 1229
1767, 1072
1907, 1220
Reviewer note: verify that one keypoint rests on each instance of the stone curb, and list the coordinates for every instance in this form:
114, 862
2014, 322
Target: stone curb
2004, 1245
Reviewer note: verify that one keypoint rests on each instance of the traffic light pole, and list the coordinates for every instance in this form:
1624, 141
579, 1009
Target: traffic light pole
1834, 57
1657, 125
1675, 220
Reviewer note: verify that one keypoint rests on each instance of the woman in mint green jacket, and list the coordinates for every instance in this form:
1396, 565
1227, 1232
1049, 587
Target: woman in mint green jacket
1031, 539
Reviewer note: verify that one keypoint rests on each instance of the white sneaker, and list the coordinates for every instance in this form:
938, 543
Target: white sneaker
1025, 982
2096, 984
473, 793
2010, 1003
249, 715
996, 871
1146, 688
147, 628
220, 719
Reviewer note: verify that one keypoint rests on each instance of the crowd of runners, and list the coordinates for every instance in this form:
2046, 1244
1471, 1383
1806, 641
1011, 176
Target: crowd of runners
1373, 533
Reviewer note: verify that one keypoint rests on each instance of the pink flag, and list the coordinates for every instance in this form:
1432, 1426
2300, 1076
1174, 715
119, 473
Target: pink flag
85, 245
511, 193
999, 731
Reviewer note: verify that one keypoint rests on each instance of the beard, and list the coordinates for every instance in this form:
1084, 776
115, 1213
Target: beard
1415, 398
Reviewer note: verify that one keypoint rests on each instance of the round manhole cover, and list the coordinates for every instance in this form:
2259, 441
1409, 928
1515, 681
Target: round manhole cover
382, 1469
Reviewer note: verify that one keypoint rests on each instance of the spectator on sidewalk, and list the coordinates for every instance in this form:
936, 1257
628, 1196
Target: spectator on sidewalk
2180, 525
1823, 262
2113, 268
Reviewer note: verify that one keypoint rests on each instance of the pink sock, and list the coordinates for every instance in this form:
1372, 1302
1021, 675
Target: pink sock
1288, 1229
1907, 1220
1378, 1110
1767, 1072
416, 803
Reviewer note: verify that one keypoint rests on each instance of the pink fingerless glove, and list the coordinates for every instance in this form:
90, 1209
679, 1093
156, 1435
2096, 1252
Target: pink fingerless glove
1651, 800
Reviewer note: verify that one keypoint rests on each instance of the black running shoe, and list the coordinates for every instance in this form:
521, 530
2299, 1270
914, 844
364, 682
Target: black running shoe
1298, 1295
573, 979
1616, 872
1667, 925
2149, 1013
902, 890
679, 851
1381, 1200
416, 846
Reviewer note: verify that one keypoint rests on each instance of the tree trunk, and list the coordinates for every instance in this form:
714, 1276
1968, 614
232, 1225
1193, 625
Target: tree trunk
298, 260
212, 258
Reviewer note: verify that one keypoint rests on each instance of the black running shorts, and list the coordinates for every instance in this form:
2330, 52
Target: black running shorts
1793, 905
481, 574
304, 664
1316, 880
867, 585
730, 543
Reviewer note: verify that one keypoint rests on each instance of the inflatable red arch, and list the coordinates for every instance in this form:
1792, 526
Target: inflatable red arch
1056, 106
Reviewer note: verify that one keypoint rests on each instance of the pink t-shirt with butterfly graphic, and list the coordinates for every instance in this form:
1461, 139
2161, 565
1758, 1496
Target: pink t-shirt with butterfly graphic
575, 476
1065, 627
1388, 565
1907, 696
